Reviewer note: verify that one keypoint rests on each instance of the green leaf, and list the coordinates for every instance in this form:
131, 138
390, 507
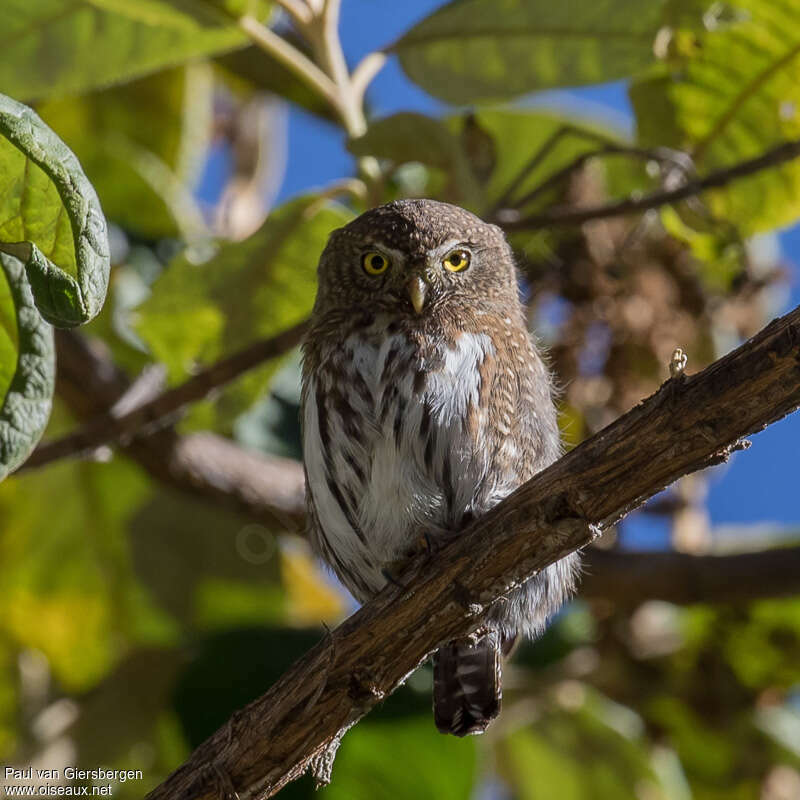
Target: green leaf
52, 48
27, 367
199, 312
478, 50
52, 219
208, 567
593, 752
732, 92
374, 760
69, 588
148, 139
408, 137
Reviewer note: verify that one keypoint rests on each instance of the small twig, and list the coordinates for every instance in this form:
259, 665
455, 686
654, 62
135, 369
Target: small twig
630, 205
297, 10
659, 154
364, 72
539, 156
113, 426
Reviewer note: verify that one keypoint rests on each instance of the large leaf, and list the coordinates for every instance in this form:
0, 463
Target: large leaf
27, 367
51, 218
374, 759
246, 290
69, 589
728, 94
147, 142
53, 47
474, 50
54, 255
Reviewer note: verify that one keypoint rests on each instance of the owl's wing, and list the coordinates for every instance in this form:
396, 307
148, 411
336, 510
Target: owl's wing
521, 422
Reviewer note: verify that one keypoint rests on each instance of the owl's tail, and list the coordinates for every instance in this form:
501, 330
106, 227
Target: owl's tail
467, 684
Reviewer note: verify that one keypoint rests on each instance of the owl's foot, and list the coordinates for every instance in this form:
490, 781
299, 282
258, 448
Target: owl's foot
426, 544
391, 578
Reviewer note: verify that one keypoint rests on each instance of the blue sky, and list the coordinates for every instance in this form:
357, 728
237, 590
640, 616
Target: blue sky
759, 485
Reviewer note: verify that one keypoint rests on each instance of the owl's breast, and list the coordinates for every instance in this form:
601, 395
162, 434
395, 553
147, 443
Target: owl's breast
395, 443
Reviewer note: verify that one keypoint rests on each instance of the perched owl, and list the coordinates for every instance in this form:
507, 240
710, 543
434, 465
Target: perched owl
424, 404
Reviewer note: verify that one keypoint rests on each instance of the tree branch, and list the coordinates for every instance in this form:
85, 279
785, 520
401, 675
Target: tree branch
780, 154
690, 423
110, 426
629, 579
270, 490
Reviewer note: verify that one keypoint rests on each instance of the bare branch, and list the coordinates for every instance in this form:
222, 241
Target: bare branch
538, 157
780, 154
690, 423
137, 420
629, 579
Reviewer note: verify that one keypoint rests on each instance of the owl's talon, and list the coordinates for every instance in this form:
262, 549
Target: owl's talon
391, 579
428, 544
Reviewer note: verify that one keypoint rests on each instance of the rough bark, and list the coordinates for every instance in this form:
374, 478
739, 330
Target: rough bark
690, 423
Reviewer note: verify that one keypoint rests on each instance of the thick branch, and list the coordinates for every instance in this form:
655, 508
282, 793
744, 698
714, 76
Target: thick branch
269, 488
690, 423
714, 180
108, 426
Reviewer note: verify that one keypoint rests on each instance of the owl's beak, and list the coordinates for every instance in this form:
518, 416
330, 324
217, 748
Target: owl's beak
417, 289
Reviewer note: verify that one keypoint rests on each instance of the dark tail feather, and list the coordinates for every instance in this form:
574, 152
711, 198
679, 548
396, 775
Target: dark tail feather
467, 686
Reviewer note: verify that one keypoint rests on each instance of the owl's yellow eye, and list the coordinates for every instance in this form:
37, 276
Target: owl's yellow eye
374, 263
456, 260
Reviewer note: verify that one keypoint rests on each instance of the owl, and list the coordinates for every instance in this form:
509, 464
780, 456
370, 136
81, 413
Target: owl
425, 402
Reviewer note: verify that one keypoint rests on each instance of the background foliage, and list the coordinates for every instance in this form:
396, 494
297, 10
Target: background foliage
136, 615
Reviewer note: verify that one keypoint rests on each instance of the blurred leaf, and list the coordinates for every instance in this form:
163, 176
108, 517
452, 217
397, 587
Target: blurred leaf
122, 711
578, 755
246, 290
476, 50
229, 670
27, 367
479, 146
376, 762
408, 137
728, 94
69, 588
207, 566
148, 139
273, 424
51, 50
52, 219
718, 249
310, 598
9, 708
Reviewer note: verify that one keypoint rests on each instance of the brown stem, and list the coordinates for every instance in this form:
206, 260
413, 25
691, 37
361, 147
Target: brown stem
689, 423
108, 426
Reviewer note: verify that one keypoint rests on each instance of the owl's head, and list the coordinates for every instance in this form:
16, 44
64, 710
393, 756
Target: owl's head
416, 258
